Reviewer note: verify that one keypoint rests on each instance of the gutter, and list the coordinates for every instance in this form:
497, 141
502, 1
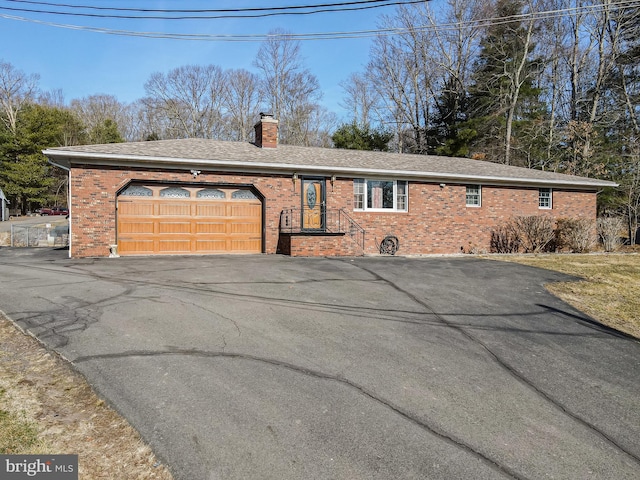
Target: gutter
68, 169
175, 163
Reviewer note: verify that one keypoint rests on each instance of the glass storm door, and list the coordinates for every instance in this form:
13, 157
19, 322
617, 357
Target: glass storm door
313, 210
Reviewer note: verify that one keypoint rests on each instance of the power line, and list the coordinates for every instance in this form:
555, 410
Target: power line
222, 13
175, 10
573, 11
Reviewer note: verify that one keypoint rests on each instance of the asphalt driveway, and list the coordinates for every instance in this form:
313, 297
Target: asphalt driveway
270, 367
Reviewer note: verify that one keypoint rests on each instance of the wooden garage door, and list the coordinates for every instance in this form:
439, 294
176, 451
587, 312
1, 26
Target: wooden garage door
170, 220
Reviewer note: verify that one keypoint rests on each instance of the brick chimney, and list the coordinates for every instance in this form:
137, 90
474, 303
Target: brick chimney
266, 131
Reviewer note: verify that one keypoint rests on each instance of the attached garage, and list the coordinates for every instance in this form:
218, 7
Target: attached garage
178, 219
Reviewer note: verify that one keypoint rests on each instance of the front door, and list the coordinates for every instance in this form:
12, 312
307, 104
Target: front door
313, 206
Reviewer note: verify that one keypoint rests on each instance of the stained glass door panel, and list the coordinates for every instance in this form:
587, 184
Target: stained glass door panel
312, 205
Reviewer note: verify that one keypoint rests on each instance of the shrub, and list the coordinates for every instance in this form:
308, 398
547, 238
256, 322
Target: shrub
576, 235
505, 239
535, 232
609, 229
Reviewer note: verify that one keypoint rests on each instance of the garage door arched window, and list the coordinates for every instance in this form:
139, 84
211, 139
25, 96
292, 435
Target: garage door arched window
243, 195
210, 193
174, 192
137, 191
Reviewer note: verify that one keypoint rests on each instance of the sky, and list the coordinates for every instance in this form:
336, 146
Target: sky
82, 63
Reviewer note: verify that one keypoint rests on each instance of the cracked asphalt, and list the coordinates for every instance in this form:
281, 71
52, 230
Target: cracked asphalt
270, 367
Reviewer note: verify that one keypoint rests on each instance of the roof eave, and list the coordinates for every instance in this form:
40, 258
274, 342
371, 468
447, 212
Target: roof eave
64, 159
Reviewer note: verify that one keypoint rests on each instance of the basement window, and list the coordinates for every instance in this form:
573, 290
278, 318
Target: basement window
545, 198
380, 195
474, 196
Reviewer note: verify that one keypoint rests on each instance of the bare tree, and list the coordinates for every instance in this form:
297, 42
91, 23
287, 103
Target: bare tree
317, 127
360, 99
590, 47
97, 110
403, 71
52, 98
520, 75
241, 100
630, 198
600, 31
190, 98
16, 90
290, 92
625, 34
148, 122
454, 50
554, 46
129, 122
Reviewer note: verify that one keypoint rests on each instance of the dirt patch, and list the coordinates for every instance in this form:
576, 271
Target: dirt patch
39, 391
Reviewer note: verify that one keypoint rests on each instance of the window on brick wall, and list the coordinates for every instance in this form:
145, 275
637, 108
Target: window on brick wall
474, 196
545, 198
380, 195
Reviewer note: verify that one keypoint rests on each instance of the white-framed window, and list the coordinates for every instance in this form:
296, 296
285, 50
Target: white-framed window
359, 189
545, 199
380, 195
474, 196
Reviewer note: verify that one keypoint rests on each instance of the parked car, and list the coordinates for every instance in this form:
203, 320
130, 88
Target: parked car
53, 211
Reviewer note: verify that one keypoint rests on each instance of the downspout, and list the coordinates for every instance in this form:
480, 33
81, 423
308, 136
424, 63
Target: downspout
68, 169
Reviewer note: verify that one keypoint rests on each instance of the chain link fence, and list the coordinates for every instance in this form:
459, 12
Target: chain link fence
39, 236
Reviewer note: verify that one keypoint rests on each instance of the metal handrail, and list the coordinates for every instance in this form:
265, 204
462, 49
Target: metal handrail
333, 221
354, 230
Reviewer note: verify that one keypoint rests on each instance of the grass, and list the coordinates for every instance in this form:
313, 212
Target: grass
609, 291
17, 433
46, 407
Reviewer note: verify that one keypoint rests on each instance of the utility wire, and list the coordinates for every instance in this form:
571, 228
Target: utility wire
225, 13
175, 10
532, 16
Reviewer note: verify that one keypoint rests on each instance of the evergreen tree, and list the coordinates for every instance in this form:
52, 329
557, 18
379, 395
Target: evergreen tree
354, 137
450, 135
105, 132
503, 96
25, 175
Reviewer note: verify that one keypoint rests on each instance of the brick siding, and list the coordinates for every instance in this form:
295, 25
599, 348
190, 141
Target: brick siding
437, 220
315, 245
93, 200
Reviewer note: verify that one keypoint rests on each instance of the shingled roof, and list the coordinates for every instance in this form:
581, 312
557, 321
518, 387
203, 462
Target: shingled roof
247, 157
